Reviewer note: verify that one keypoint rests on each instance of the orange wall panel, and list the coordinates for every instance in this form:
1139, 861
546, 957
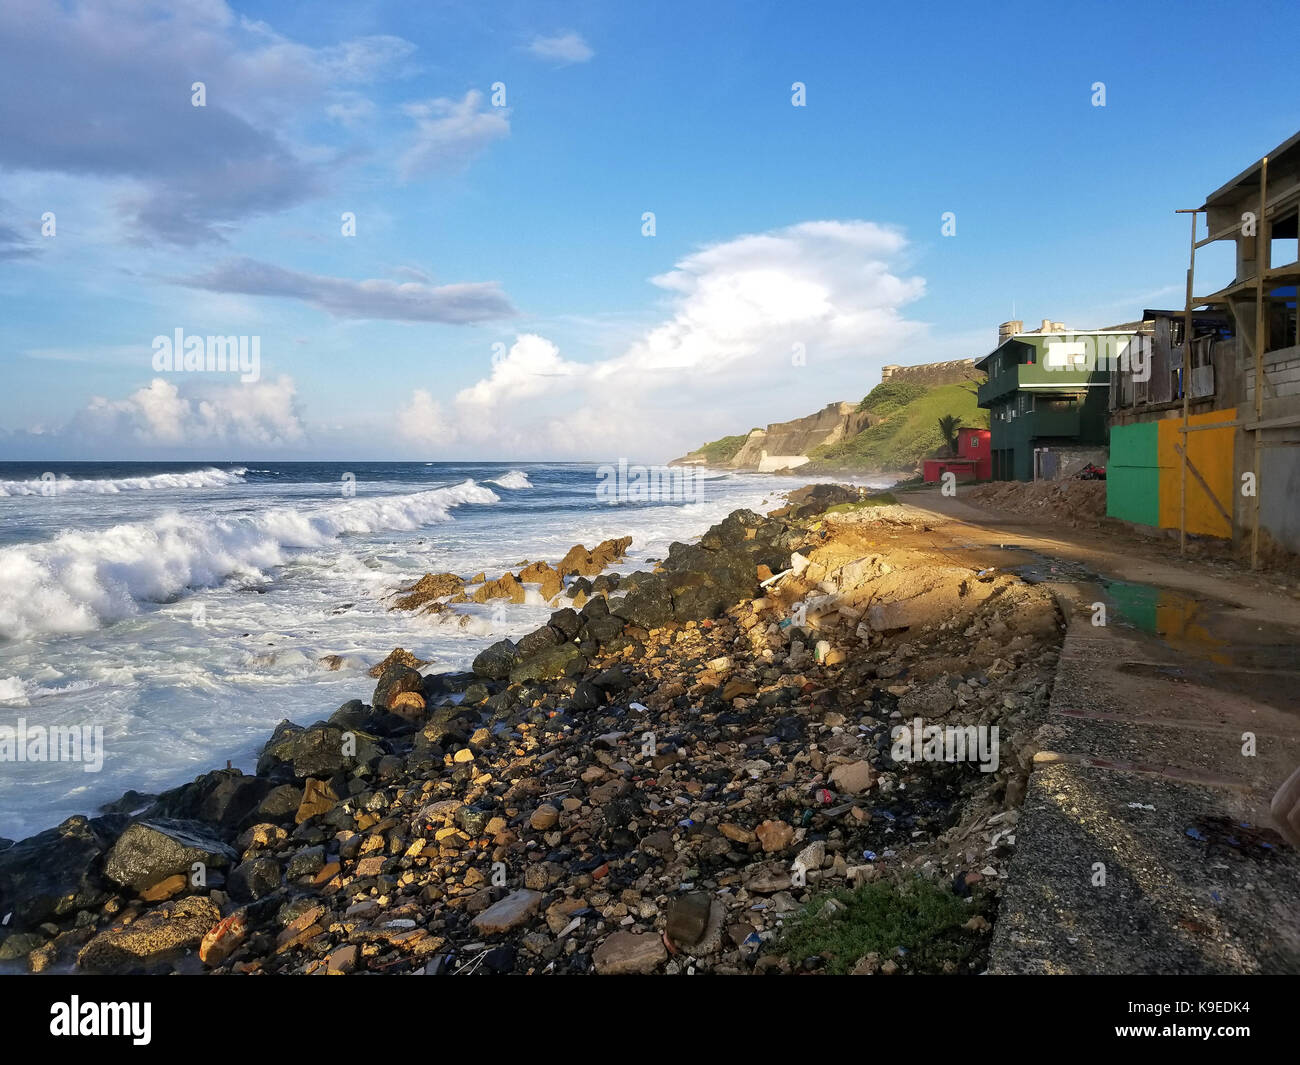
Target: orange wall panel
1211, 452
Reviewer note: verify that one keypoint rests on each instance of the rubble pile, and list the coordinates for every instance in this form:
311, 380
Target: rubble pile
1071, 502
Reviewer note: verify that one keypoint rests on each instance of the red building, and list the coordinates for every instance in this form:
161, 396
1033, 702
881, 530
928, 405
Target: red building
974, 460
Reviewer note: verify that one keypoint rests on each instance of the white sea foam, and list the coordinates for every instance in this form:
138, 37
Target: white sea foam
515, 479
81, 580
206, 478
176, 694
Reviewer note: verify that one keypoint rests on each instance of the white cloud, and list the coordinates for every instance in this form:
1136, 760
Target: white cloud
262, 413
114, 79
562, 48
449, 133
529, 368
726, 354
422, 422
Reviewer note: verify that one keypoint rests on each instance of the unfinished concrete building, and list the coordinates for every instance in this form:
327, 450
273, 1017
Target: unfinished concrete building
1195, 446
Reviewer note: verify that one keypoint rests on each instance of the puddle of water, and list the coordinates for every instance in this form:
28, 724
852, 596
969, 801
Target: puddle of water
1010, 558
1206, 628
1216, 645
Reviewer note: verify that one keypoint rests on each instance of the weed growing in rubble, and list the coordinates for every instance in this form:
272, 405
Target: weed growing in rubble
922, 918
881, 499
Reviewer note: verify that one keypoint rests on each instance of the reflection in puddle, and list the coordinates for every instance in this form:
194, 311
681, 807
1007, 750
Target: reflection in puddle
1205, 628
1216, 645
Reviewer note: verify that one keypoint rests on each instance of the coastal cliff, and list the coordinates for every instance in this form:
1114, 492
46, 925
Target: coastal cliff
891, 429
785, 445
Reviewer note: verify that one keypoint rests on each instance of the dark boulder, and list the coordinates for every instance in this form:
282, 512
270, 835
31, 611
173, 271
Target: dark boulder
733, 529
441, 685
148, 852
604, 584
586, 696
563, 660
319, 751
497, 661
224, 797
255, 879
131, 802
395, 680
280, 803
539, 640
351, 715
612, 679
648, 603
446, 723
55, 872
307, 862
567, 623
578, 584
604, 629
595, 608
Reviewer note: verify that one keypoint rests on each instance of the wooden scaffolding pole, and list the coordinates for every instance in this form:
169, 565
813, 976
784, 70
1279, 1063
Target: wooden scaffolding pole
1262, 240
1186, 377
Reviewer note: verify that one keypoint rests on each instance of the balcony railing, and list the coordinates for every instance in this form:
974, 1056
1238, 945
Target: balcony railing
1037, 376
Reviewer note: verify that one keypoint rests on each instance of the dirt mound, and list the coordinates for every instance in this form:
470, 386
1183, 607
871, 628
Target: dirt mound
1072, 502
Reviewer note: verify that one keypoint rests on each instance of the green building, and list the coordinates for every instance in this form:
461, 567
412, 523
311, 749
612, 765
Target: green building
1048, 395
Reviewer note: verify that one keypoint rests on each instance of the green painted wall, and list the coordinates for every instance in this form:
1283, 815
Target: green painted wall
1084, 424
1132, 474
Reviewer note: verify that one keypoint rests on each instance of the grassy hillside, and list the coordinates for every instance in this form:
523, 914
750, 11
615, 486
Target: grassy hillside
719, 451
909, 431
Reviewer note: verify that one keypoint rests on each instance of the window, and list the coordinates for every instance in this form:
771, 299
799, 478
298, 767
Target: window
974, 440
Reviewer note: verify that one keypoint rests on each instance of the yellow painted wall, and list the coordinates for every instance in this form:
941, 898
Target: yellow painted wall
1211, 452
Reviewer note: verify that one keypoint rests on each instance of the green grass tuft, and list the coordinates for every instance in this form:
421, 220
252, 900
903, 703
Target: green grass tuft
923, 918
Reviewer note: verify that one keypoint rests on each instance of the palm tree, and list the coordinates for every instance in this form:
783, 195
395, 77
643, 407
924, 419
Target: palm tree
948, 426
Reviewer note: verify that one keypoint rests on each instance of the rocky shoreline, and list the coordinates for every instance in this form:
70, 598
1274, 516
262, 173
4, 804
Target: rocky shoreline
685, 770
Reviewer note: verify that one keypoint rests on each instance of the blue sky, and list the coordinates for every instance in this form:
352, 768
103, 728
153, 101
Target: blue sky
778, 229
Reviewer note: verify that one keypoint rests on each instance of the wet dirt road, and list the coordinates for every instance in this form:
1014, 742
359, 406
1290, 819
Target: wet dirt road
1145, 839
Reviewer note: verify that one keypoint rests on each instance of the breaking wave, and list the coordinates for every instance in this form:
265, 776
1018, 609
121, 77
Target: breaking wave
79, 581
206, 478
514, 479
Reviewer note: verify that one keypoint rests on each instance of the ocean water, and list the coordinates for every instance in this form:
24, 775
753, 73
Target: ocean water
185, 608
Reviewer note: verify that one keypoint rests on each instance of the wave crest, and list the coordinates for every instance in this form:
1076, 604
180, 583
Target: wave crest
515, 479
205, 478
81, 580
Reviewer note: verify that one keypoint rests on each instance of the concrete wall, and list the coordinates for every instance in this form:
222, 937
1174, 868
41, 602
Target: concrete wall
1279, 458
1279, 500
774, 463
